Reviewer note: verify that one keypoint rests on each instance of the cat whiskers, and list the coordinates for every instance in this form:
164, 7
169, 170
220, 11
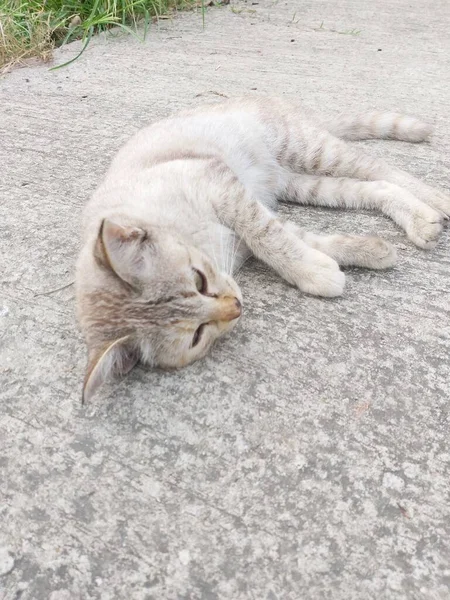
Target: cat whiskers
213, 255
238, 273
234, 253
230, 253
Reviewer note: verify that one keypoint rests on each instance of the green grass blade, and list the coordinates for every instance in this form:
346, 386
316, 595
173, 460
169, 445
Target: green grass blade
86, 44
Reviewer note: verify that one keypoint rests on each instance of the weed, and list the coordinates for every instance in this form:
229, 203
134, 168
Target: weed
32, 28
345, 32
237, 11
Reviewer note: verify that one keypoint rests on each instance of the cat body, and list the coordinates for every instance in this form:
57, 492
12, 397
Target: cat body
189, 198
167, 160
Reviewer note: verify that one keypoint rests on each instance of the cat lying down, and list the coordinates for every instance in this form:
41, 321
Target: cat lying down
189, 198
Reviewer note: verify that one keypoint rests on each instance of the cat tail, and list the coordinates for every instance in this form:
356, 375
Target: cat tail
378, 125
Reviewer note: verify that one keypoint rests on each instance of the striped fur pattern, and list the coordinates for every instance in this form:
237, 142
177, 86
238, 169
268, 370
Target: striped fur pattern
189, 198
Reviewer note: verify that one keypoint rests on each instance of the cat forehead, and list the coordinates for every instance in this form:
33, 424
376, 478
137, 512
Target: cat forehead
128, 309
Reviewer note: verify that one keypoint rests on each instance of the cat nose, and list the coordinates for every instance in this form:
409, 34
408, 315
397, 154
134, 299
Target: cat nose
237, 308
233, 309
227, 308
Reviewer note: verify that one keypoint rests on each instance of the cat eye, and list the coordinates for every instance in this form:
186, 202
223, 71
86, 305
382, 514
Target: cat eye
198, 335
200, 281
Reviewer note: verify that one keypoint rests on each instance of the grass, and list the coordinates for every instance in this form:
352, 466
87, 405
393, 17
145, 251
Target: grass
32, 28
345, 32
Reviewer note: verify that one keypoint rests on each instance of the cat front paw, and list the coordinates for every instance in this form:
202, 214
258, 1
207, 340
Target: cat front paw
441, 202
373, 253
437, 199
320, 276
425, 229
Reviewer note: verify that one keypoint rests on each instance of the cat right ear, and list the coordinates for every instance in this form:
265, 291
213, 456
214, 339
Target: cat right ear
116, 358
121, 249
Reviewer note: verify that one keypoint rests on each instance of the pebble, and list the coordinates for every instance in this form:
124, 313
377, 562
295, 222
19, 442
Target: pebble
6, 561
184, 557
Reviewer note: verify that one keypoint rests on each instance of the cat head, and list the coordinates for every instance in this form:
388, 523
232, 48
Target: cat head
145, 294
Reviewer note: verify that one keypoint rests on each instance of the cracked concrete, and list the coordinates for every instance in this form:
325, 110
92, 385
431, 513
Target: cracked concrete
307, 458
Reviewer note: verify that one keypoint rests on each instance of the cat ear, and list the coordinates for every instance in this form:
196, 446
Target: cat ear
120, 248
116, 358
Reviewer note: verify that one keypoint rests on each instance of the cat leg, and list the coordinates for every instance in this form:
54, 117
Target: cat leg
422, 223
270, 240
350, 250
301, 146
328, 155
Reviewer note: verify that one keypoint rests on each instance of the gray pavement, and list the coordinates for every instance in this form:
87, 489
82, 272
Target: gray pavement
308, 457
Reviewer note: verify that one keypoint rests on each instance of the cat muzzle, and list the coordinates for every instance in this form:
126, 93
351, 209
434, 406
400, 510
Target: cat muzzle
227, 308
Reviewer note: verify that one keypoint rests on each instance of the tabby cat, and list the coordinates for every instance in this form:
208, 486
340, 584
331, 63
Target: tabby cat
189, 198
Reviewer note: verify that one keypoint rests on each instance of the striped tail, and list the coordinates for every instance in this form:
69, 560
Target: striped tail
379, 125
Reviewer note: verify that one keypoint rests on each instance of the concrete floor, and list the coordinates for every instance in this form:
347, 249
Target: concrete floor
308, 457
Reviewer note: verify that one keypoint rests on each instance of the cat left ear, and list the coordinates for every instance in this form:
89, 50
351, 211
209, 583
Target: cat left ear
116, 358
120, 248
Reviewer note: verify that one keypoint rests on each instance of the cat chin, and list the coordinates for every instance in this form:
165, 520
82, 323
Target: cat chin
228, 327
147, 353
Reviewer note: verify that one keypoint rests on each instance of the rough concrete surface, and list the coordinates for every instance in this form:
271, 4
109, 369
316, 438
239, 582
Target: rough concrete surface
308, 456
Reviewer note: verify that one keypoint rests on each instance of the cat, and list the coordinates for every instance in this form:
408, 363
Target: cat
189, 198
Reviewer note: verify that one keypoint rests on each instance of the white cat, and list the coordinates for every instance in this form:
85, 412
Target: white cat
187, 199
